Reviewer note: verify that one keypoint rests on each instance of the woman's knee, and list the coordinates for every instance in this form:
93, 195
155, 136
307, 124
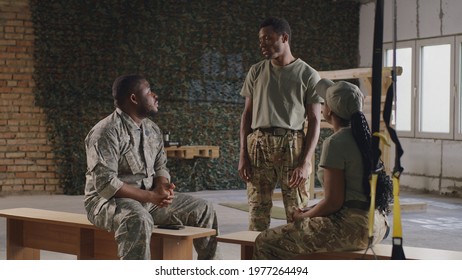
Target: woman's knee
261, 240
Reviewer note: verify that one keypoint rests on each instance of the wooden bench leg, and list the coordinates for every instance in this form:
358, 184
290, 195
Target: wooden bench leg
156, 248
15, 249
246, 252
105, 246
86, 249
171, 248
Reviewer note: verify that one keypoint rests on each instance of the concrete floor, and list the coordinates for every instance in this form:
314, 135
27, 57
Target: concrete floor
439, 226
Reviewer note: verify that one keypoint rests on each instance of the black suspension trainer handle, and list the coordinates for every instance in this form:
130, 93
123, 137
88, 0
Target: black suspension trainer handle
377, 82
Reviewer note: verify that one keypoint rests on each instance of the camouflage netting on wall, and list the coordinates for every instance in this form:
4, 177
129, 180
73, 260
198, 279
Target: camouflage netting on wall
194, 53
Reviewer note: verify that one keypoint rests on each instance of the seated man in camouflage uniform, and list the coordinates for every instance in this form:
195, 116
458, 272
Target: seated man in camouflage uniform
128, 188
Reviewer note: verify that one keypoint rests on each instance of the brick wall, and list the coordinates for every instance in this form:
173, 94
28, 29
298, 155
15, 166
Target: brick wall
26, 157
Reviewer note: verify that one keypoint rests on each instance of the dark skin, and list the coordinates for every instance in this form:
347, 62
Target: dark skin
276, 47
139, 105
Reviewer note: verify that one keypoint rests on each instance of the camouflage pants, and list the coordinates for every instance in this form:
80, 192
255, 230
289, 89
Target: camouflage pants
133, 222
273, 158
344, 230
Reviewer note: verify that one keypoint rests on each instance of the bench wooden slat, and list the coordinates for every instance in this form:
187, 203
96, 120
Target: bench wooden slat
53, 217
51, 237
382, 251
31, 230
186, 233
241, 237
245, 238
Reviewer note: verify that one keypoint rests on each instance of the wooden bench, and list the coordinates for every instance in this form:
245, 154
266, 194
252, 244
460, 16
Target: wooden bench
246, 239
31, 230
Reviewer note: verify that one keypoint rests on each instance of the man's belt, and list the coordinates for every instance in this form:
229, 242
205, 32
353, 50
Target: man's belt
276, 131
357, 204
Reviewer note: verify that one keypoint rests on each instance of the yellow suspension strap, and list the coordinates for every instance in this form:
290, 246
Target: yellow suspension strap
397, 249
373, 183
397, 252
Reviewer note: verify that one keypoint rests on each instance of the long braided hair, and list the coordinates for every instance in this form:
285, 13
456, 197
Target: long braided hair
362, 136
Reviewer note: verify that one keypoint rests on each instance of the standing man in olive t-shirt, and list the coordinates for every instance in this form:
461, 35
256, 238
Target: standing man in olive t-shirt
279, 95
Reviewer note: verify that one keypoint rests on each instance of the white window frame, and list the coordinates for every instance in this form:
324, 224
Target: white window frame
411, 45
419, 45
458, 89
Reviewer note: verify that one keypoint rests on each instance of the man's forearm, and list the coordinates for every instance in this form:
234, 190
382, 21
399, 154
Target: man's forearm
245, 130
133, 192
160, 180
246, 126
243, 145
311, 140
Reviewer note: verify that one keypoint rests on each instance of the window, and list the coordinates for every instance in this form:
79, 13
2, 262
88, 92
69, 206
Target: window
427, 105
404, 87
434, 91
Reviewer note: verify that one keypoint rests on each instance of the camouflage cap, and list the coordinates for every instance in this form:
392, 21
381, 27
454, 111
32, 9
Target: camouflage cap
343, 98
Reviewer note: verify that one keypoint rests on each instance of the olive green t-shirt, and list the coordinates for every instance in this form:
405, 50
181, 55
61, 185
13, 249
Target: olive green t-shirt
340, 151
280, 93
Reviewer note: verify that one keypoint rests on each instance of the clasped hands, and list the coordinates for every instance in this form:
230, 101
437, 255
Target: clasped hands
163, 194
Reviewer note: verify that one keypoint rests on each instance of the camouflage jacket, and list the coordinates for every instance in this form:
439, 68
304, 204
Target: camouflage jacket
118, 151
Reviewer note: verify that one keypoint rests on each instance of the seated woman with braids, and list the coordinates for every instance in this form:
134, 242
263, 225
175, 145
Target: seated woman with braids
339, 222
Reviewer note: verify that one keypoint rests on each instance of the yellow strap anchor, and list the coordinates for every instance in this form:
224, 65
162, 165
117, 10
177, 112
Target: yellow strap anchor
397, 229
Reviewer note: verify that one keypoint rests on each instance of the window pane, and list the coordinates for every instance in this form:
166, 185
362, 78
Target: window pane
435, 88
403, 87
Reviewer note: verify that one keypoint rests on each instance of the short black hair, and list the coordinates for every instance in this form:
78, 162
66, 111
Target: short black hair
125, 85
280, 25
